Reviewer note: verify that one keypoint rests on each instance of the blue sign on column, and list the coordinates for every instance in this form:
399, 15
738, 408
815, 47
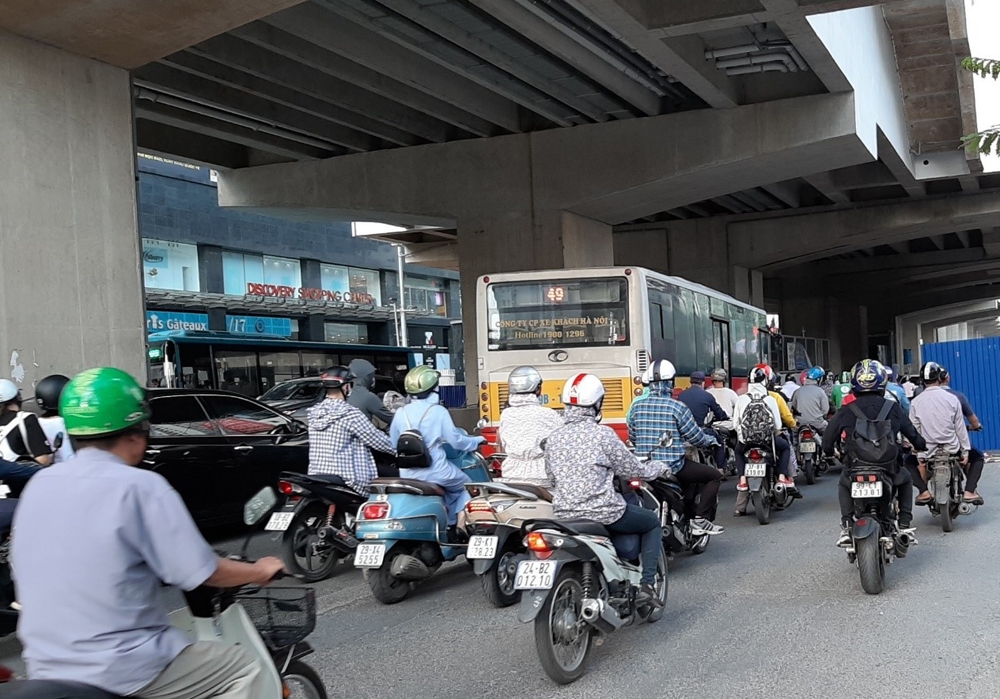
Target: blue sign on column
158, 321
259, 325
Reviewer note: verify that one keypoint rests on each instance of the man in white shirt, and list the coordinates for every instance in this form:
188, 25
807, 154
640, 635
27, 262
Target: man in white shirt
724, 396
524, 424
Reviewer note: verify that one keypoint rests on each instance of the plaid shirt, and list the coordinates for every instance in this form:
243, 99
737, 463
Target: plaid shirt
661, 414
340, 443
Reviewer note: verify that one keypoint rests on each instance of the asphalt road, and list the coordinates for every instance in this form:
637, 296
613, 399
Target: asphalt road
767, 611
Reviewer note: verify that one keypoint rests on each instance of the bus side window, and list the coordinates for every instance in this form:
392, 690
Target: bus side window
661, 326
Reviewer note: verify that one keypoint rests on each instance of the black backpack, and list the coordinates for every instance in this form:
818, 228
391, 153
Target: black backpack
873, 443
411, 447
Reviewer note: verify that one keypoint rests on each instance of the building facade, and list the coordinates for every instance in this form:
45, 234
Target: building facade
209, 268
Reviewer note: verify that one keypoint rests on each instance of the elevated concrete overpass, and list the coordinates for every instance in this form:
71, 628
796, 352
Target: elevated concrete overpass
758, 146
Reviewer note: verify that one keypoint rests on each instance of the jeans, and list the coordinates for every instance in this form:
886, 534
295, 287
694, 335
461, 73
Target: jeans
639, 520
784, 452
720, 450
901, 484
17, 470
693, 473
973, 472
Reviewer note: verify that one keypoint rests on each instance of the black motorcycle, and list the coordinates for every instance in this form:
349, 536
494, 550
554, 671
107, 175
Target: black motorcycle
808, 445
766, 491
675, 503
875, 534
318, 524
946, 483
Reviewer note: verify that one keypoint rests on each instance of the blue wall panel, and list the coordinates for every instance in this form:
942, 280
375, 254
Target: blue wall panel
973, 365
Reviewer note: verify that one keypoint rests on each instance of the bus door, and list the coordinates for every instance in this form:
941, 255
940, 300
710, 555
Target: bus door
720, 346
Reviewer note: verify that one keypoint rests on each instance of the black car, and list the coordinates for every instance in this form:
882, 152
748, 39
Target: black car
295, 396
217, 449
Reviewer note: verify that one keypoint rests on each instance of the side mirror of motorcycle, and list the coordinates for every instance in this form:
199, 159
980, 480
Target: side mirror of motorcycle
666, 440
482, 424
259, 506
57, 442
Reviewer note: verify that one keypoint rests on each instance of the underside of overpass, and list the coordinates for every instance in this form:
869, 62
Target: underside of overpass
803, 154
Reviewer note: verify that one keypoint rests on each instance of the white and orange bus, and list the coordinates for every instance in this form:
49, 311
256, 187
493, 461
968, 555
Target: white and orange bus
611, 322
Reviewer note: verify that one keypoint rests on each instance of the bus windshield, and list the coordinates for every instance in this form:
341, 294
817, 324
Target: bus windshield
564, 313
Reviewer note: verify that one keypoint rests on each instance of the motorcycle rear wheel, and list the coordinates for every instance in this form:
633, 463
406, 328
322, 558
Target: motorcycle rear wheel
870, 564
300, 676
297, 545
385, 588
761, 505
562, 637
809, 468
498, 581
662, 587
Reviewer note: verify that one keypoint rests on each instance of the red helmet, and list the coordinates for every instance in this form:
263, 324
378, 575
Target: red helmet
761, 373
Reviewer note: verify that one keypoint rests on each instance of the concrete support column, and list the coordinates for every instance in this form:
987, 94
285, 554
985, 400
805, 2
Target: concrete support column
313, 329
547, 240
71, 293
217, 319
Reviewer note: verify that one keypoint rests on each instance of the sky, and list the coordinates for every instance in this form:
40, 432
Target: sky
983, 18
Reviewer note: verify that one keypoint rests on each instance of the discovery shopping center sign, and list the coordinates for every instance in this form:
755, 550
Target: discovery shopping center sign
289, 292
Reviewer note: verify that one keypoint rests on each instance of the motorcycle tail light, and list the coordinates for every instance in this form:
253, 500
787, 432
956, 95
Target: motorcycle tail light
537, 543
756, 455
478, 506
286, 488
636, 484
807, 435
872, 478
375, 510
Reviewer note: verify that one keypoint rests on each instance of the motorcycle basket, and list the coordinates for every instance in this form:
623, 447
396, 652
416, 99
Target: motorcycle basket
283, 616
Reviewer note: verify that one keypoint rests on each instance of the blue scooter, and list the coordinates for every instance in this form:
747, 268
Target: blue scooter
403, 530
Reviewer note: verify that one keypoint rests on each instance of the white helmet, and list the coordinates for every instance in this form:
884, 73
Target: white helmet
584, 390
8, 390
524, 379
661, 370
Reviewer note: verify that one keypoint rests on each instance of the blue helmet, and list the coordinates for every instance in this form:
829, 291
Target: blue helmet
817, 374
869, 376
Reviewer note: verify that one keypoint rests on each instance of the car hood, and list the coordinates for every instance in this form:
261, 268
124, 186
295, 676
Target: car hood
290, 406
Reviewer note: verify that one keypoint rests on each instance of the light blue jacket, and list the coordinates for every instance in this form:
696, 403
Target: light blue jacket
435, 423
900, 393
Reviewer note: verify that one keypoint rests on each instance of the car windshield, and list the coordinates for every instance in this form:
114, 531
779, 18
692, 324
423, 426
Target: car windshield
294, 390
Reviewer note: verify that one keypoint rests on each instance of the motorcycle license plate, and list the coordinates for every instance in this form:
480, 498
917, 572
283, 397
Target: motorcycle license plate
279, 522
369, 556
808, 447
866, 490
756, 470
535, 575
482, 547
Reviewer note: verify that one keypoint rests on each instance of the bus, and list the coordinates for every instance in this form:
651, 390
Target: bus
610, 322
252, 365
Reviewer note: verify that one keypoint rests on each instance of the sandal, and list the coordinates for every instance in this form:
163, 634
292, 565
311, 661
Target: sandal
924, 501
978, 500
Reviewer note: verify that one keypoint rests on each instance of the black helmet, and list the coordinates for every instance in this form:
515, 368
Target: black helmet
48, 391
337, 377
932, 372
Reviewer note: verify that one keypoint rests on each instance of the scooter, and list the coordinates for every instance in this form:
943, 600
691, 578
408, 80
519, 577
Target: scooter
317, 522
946, 484
403, 530
808, 448
766, 491
493, 520
270, 623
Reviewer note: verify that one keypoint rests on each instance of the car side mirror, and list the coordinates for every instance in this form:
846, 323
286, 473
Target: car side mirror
259, 506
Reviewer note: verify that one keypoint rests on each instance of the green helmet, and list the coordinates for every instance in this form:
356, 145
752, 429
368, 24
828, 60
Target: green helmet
420, 379
100, 402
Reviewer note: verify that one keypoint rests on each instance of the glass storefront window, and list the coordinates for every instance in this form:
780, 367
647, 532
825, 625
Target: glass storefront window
238, 270
428, 295
351, 333
168, 265
334, 278
366, 281
282, 271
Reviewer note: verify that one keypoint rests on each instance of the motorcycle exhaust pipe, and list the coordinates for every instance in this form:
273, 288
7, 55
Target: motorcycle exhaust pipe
907, 539
967, 508
599, 615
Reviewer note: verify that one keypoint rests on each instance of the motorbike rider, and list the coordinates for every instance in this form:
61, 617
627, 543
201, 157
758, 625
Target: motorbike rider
977, 460
810, 402
701, 403
21, 435
841, 389
92, 609
341, 437
425, 413
662, 420
937, 414
583, 457
724, 396
869, 379
524, 424
47, 394
361, 396
789, 388
898, 392
759, 378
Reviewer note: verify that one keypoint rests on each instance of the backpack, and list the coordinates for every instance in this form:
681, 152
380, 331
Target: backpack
873, 444
412, 450
757, 422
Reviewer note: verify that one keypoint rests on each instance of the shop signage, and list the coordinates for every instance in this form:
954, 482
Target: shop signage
158, 321
259, 325
290, 292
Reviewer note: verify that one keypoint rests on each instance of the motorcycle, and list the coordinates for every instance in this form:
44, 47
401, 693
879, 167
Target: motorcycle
494, 518
766, 491
808, 445
875, 534
946, 484
403, 530
8, 612
317, 524
270, 623
578, 585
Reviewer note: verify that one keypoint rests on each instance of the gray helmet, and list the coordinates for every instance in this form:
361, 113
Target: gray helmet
524, 379
719, 375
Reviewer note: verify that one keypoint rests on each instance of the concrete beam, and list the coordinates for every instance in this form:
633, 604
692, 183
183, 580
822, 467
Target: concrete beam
774, 243
623, 170
991, 241
354, 42
130, 34
790, 19
824, 184
172, 142
302, 51
683, 58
